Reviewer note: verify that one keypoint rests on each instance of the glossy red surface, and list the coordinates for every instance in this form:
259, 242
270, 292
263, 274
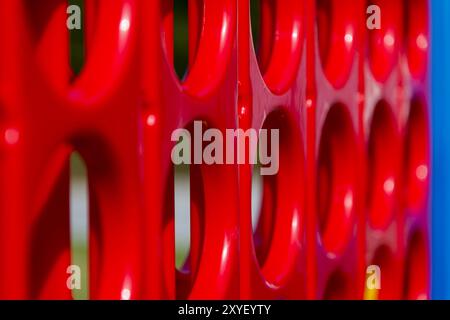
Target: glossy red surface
351, 105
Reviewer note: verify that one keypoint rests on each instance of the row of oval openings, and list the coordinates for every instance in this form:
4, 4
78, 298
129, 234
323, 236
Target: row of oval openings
180, 39
277, 201
280, 205
279, 42
390, 164
266, 227
49, 24
279, 45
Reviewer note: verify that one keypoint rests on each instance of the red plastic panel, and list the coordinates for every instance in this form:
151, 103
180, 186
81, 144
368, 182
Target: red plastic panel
364, 190
208, 93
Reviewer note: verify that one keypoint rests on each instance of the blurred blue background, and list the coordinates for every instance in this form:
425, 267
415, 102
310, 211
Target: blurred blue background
441, 149
440, 20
